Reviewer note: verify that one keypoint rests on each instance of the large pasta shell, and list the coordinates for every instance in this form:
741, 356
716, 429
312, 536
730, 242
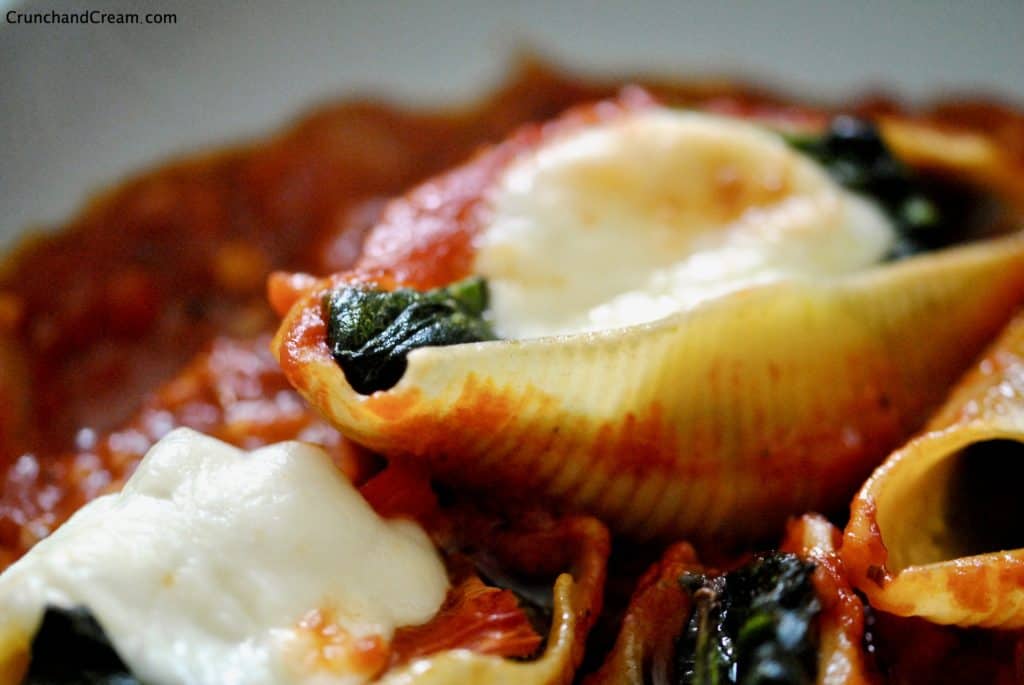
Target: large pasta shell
938, 530
718, 421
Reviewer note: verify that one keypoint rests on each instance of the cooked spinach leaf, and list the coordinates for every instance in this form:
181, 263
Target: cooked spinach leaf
927, 213
753, 626
370, 331
70, 648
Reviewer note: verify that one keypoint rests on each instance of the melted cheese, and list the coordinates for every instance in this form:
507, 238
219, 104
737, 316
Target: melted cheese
631, 220
216, 566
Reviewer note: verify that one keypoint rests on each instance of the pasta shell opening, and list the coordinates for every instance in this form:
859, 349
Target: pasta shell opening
938, 530
968, 504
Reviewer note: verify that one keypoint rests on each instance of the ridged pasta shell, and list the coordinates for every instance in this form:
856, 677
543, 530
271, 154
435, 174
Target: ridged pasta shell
841, 651
645, 650
718, 421
577, 597
919, 528
555, 667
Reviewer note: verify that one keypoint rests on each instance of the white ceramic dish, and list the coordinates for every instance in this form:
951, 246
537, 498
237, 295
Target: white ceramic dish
84, 105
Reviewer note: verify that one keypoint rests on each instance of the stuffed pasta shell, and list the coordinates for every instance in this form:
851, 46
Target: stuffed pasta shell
659, 316
788, 617
938, 530
389, 588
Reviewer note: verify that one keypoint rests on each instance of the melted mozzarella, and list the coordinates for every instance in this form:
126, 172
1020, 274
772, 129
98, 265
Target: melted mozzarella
219, 566
632, 220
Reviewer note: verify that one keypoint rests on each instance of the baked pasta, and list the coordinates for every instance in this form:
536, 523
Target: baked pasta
563, 316
577, 385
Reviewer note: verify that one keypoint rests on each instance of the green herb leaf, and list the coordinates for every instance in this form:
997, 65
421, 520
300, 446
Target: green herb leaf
928, 214
753, 626
370, 331
70, 648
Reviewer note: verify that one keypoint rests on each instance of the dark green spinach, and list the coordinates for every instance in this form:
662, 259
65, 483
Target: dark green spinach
370, 331
753, 626
928, 213
70, 648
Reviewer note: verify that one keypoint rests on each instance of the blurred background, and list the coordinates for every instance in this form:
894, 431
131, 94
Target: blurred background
82, 105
